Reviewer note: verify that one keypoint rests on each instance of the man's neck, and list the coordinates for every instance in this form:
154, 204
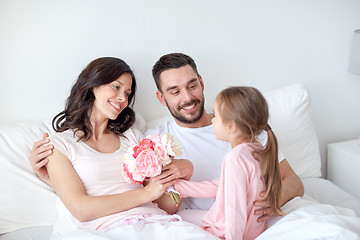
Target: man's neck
204, 121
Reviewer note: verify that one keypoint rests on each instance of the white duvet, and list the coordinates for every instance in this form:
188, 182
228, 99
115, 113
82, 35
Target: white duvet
305, 219
152, 231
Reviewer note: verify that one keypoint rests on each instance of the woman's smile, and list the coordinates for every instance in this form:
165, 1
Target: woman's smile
117, 106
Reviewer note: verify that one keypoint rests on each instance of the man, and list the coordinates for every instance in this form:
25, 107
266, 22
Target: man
180, 89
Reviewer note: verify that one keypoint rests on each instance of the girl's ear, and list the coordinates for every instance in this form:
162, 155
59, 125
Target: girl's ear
232, 127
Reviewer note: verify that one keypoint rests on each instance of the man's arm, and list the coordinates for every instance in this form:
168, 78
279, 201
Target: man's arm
178, 168
292, 186
39, 158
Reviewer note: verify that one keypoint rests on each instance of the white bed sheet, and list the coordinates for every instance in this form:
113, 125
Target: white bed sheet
330, 219
33, 233
324, 191
152, 231
305, 219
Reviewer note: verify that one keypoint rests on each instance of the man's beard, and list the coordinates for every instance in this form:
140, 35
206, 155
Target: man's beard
184, 119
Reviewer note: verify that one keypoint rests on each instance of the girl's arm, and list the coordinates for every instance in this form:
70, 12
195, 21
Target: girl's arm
70, 189
202, 189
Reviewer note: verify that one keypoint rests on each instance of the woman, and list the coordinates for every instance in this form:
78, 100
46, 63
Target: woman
93, 133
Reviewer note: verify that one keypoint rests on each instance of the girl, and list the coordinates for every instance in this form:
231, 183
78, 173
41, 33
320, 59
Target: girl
240, 114
93, 133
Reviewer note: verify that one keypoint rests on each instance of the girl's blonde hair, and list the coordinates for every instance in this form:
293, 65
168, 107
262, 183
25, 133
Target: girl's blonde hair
247, 108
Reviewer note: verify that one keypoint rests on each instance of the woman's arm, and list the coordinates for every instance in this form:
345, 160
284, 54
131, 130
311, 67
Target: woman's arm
177, 169
166, 203
70, 189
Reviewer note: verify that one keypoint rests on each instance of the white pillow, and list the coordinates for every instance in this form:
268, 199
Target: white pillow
139, 123
25, 201
290, 119
63, 223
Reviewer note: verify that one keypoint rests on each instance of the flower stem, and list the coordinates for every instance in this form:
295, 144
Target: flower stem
175, 197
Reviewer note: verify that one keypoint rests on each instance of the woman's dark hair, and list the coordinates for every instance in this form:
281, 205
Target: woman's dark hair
80, 103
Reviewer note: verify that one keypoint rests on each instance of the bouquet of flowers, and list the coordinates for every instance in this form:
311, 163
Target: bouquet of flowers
147, 158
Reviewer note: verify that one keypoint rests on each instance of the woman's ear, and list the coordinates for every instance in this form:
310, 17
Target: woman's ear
94, 90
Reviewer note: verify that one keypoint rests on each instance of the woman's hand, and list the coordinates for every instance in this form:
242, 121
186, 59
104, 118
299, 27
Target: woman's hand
156, 189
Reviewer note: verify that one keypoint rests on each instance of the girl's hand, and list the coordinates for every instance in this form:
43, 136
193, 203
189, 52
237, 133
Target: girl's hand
157, 189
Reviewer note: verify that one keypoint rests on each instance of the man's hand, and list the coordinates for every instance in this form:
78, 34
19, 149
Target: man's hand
38, 158
292, 186
264, 210
178, 168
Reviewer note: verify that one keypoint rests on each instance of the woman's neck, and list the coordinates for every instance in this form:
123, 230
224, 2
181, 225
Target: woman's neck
102, 139
99, 128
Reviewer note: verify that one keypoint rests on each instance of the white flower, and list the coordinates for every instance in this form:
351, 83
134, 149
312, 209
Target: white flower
130, 160
172, 145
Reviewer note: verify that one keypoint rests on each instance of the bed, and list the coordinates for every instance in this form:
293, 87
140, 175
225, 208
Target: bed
28, 208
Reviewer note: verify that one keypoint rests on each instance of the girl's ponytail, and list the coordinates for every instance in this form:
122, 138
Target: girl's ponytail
271, 171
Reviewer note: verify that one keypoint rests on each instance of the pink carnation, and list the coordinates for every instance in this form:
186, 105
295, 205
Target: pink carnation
143, 144
148, 163
154, 138
129, 176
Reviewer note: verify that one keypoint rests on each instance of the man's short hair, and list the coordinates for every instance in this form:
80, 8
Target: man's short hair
171, 61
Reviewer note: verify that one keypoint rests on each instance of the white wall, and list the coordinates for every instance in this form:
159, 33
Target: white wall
265, 43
